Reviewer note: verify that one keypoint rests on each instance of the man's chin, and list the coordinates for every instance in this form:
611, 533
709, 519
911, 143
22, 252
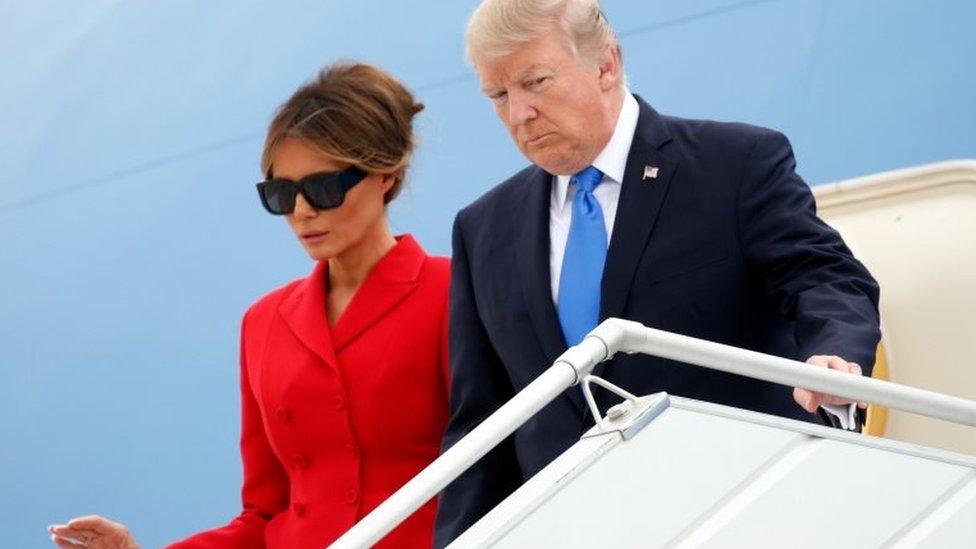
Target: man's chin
553, 163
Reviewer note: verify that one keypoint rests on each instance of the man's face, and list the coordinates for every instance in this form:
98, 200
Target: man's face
555, 107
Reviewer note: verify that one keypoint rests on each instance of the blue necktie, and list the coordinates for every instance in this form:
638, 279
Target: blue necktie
586, 252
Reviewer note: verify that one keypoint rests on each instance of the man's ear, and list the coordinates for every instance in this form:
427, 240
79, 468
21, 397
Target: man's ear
610, 69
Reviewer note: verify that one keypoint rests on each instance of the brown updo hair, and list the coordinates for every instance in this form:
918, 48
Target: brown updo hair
354, 113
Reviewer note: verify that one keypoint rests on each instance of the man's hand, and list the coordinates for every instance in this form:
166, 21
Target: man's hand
810, 400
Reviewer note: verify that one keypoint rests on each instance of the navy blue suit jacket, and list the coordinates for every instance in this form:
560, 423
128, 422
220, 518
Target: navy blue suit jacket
723, 245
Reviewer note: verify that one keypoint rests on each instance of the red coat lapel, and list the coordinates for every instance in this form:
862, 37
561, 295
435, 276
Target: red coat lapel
305, 313
393, 278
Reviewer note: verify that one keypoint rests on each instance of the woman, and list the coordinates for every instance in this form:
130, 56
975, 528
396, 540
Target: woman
343, 373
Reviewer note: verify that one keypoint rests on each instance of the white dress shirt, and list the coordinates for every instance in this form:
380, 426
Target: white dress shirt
612, 161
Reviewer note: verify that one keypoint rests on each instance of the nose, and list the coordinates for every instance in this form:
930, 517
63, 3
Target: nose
302, 208
521, 108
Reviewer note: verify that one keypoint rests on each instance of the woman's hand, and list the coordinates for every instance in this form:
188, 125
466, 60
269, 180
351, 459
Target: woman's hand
93, 532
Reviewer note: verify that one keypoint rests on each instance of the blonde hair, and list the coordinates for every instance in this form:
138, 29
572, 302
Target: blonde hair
499, 27
353, 113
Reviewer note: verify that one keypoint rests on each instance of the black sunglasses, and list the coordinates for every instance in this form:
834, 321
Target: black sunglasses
321, 190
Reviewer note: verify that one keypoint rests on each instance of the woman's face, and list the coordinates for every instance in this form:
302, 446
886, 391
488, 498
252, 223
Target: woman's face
329, 233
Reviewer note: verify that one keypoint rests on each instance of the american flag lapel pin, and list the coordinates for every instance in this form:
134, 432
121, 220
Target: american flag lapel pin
650, 173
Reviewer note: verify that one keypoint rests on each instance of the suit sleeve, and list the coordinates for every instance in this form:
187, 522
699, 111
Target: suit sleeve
265, 489
479, 385
810, 274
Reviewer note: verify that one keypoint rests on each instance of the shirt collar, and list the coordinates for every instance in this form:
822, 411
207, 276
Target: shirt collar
612, 160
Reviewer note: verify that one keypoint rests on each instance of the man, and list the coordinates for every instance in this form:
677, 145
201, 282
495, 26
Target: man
695, 227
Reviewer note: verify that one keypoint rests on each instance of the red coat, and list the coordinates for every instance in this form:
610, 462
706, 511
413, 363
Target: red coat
334, 421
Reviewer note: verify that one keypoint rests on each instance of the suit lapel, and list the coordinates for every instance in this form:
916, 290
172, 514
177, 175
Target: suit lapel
637, 210
391, 281
532, 257
304, 313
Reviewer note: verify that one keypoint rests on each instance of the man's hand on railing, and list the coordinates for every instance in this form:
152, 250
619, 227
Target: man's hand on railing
810, 400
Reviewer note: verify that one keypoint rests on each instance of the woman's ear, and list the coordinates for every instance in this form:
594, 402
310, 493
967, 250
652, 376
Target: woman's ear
387, 184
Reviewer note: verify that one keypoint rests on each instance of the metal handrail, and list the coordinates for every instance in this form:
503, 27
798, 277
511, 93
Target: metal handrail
613, 336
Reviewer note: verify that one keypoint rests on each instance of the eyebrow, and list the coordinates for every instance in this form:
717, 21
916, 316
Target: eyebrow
529, 70
519, 76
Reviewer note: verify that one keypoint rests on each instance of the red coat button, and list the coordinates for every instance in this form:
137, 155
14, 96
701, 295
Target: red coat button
338, 402
299, 509
284, 414
301, 460
352, 496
